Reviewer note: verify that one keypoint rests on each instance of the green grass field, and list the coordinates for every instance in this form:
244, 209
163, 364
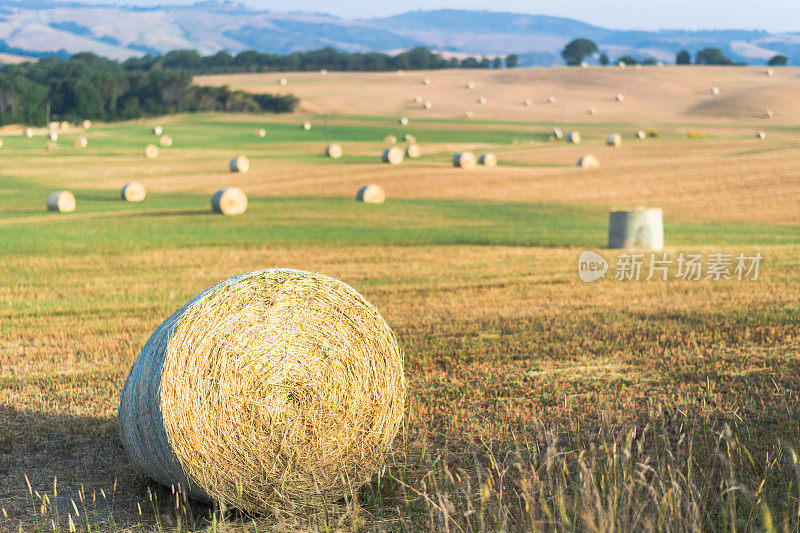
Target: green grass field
535, 401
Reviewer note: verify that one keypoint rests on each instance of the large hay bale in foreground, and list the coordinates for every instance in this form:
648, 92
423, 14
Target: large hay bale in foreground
133, 192
464, 160
61, 201
165, 141
151, 151
157, 130
638, 229
273, 388
229, 201
413, 151
588, 161
614, 139
487, 159
81, 142
371, 194
574, 137
392, 156
334, 151
240, 164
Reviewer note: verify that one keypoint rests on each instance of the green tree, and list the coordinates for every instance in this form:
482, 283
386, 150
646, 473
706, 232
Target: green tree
576, 50
777, 61
712, 56
628, 60
604, 59
683, 58
497, 63
512, 60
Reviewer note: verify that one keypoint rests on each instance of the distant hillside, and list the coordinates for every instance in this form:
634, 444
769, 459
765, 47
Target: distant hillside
44, 27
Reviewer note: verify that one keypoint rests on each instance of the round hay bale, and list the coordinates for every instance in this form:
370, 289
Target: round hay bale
65, 125
151, 151
584, 64
464, 160
52, 126
81, 142
620, 97
133, 192
621, 64
334, 151
417, 99
409, 138
165, 141
638, 229
592, 111
390, 139
527, 102
61, 201
28, 132
640, 134
240, 164
615, 140
271, 389
1, 143
52, 136
87, 124
574, 137
588, 161
371, 194
770, 72
157, 130
403, 121
282, 81
261, 132
557, 134
488, 160
392, 156
470, 85
229, 201
427, 105
761, 135
551, 99
426, 81
769, 113
323, 72
468, 114
715, 91
482, 100
413, 151
305, 126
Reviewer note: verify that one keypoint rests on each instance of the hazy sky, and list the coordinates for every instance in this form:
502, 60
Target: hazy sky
772, 15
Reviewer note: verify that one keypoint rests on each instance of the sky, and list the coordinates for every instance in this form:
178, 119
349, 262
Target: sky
771, 15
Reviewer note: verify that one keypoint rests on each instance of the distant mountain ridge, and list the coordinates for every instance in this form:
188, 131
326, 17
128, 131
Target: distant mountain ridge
45, 27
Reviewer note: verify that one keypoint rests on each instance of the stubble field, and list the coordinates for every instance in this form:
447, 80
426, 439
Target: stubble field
536, 401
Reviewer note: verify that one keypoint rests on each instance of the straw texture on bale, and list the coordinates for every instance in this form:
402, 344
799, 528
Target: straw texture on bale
151, 151
588, 161
271, 388
229, 201
240, 164
413, 151
464, 160
393, 156
487, 160
371, 194
28, 132
638, 229
158, 130
615, 139
81, 142
574, 137
165, 141
133, 192
87, 124
334, 151
61, 201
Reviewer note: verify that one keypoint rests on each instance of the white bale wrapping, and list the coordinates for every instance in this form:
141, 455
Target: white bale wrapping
638, 229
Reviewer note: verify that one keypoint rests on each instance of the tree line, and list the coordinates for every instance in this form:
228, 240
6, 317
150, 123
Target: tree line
579, 49
87, 86
326, 58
